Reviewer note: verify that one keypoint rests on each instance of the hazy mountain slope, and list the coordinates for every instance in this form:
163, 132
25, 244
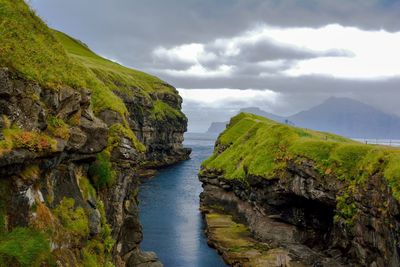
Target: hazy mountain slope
350, 118
342, 116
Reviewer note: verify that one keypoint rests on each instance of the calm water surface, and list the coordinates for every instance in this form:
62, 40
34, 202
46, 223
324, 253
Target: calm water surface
172, 223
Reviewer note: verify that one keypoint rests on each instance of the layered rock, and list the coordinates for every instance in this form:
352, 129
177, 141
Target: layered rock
45, 165
316, 214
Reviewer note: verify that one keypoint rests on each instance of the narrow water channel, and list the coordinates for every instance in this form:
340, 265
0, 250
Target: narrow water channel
172, 223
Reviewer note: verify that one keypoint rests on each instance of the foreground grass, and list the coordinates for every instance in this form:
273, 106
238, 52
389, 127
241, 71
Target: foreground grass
254, 145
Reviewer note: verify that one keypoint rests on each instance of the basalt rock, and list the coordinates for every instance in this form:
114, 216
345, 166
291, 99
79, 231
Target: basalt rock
318, 218
46, 182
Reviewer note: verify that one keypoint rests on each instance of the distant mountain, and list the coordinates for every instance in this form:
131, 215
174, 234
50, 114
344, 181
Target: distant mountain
351, 118
217, 127
343, 116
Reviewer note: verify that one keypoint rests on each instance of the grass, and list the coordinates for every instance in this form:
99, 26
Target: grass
24, 246
54, 59
74, 220
162, 111
114, 75
58, 127
15, 138
101, 171
253, 145
117, 130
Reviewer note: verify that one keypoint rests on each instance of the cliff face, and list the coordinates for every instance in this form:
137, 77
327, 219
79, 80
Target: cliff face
319, 199
76, 133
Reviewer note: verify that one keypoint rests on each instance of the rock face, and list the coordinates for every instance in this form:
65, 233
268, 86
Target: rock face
49, 145
317, 218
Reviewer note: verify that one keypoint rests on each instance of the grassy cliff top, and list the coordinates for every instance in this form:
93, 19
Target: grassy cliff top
254, 145
53, 59
114, 75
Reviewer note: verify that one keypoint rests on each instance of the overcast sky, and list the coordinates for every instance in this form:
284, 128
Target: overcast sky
280, 55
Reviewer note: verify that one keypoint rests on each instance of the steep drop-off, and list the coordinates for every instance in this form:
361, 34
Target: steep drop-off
300, 198
76, 133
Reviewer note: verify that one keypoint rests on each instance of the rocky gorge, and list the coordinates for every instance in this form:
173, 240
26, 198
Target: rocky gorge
276, 195
76, 134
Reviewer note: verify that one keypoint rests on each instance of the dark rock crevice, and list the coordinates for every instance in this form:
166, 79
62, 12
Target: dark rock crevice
299, 210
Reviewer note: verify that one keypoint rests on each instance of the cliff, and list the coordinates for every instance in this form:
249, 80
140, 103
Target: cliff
298, 197
76, 133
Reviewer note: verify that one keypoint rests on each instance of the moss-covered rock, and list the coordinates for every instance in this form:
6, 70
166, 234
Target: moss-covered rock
75, 131
339, 196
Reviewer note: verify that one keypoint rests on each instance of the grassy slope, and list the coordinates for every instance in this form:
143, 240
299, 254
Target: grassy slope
262, 147
118, 78
114, 75
54, 60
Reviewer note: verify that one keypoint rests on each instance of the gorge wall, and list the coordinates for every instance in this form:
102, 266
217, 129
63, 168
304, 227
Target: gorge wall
317, 198
76, 133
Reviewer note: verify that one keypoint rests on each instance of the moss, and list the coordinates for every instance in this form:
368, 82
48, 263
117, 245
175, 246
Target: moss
24, 246
73, 219
346, 209
163, 111
58, 128
116, 131
88, 191
101, 171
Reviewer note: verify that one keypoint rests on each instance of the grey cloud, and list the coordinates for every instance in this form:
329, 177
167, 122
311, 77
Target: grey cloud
129, 30
267, 50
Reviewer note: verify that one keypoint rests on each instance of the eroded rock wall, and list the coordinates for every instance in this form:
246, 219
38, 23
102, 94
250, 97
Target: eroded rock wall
296, 211
49, 143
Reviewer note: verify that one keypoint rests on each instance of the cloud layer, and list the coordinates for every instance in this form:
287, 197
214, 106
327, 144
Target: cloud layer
292, 54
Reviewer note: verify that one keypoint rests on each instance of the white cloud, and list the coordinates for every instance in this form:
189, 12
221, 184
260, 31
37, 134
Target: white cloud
374, 54
190, 53
229, 98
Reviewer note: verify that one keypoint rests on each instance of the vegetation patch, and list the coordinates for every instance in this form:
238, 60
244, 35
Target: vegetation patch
253, 145
101, 171
116, 131
163, 111
25, 247
15, 138
73, 219
58, 127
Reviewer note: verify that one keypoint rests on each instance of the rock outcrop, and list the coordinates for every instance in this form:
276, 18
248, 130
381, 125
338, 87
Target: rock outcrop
318, 206
77, 132
47, 171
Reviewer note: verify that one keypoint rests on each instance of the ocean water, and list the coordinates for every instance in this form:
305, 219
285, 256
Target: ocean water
169, 212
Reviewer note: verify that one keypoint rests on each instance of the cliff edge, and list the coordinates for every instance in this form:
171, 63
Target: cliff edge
76, 133
276, 195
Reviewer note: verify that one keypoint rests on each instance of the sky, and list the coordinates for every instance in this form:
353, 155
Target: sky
282, 56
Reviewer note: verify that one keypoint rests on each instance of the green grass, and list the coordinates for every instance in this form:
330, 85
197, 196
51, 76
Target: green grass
253, 145
114, 75
162, 111
73, 219
24, 246
101, 171
54, 59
